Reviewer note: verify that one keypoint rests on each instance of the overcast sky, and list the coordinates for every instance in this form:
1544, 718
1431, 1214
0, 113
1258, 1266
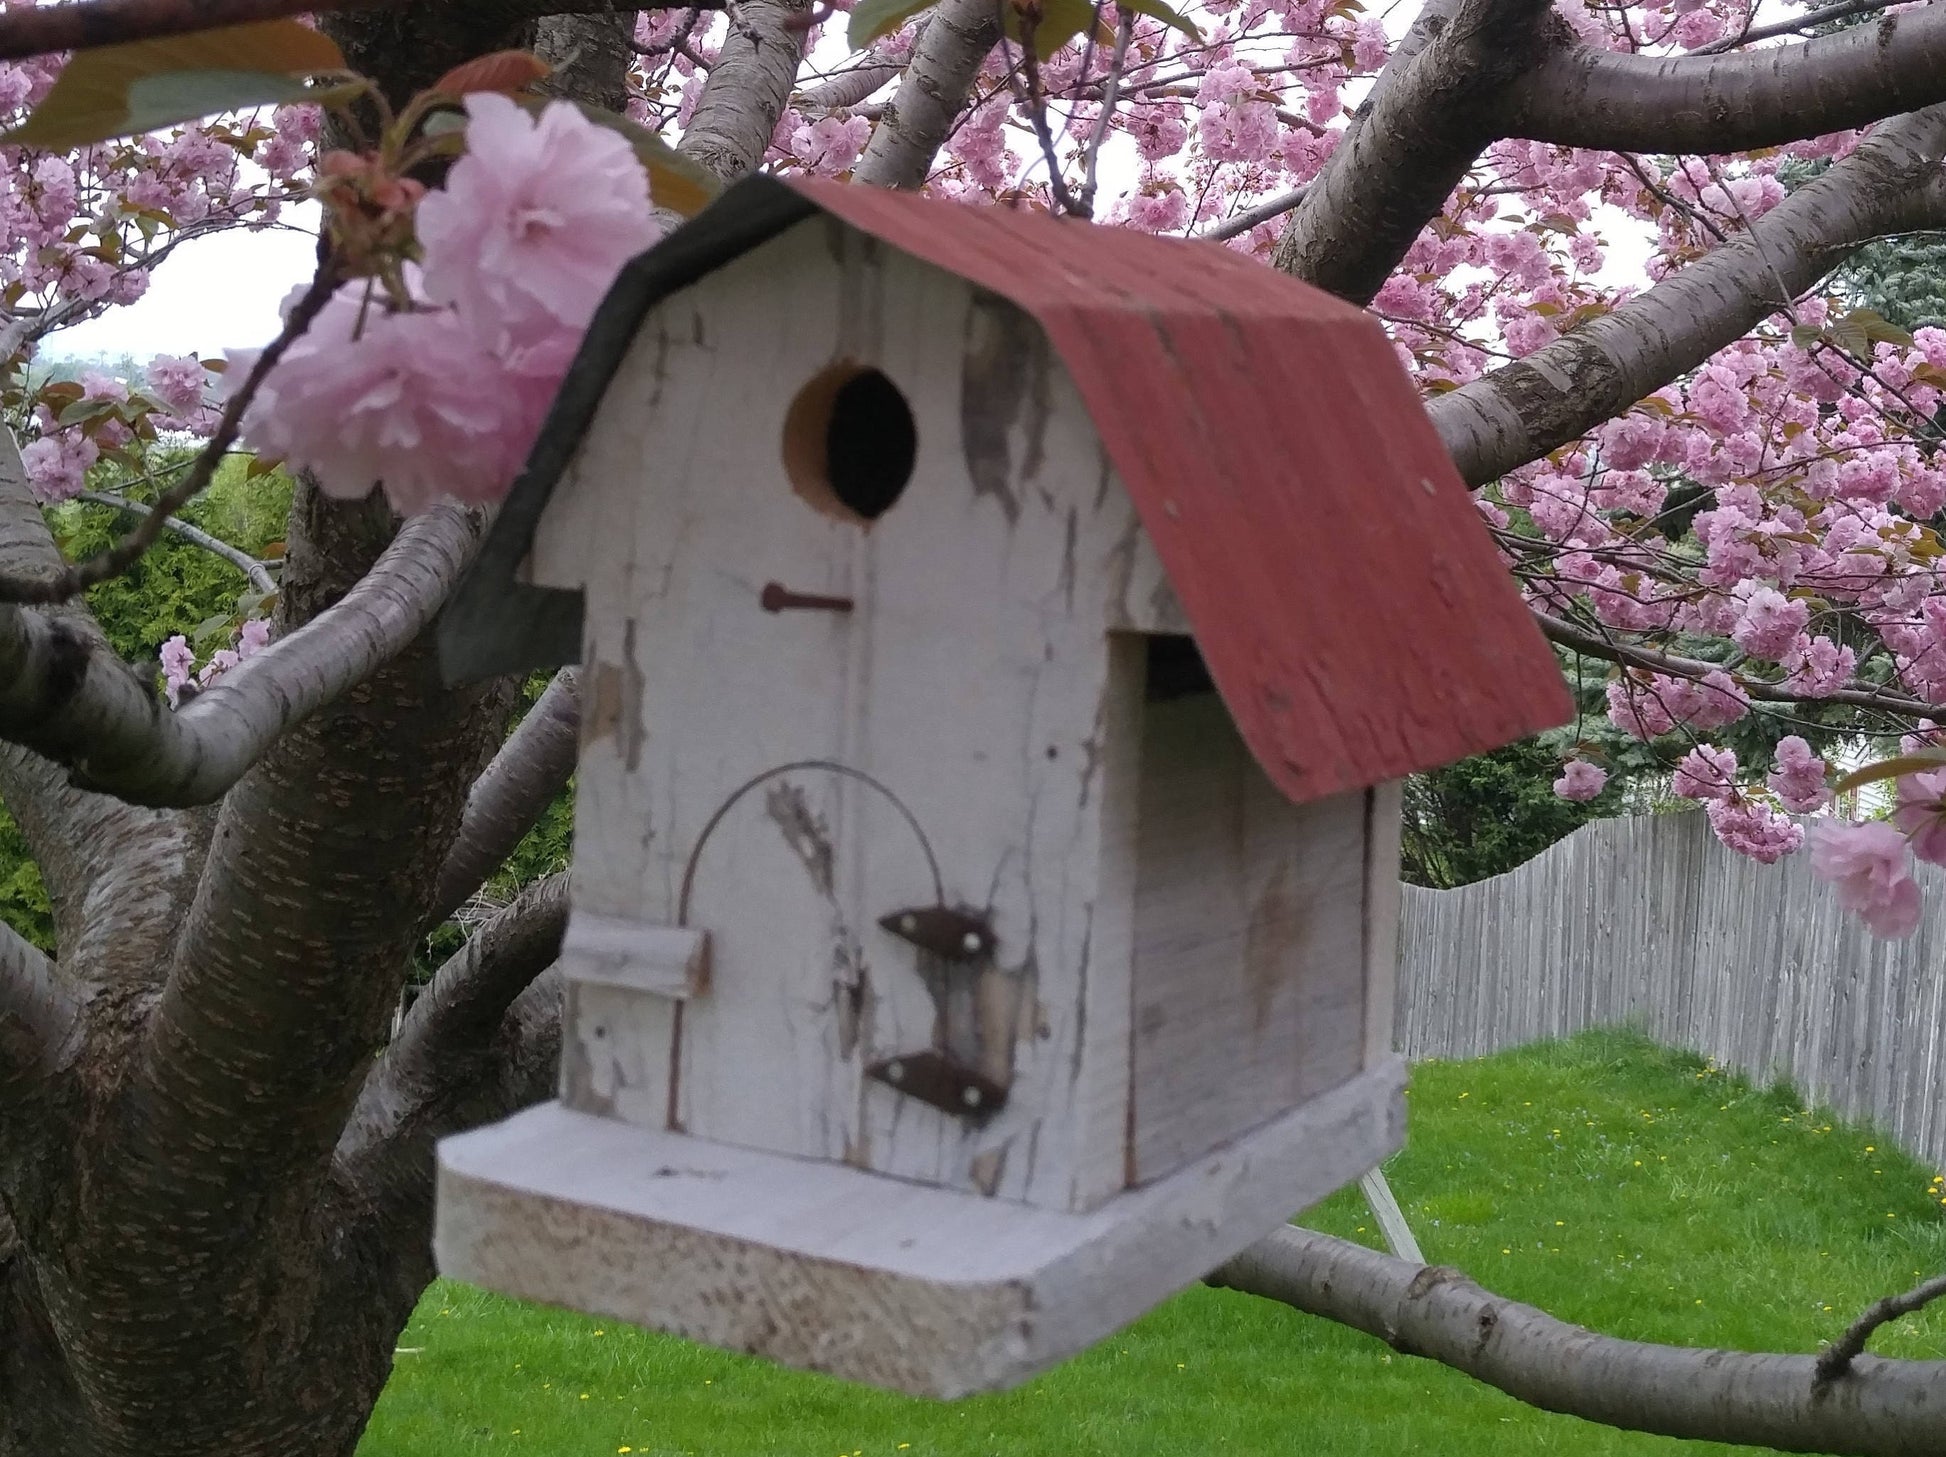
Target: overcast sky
212, 294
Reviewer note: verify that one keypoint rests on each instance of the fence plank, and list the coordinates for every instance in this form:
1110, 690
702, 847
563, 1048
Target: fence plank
1648, 922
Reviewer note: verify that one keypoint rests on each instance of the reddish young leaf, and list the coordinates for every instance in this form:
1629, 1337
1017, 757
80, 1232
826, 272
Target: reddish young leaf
122, 90
508, 71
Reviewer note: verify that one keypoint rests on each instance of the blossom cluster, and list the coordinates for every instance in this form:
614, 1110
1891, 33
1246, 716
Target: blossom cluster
181, 678
1758, 533
441, 397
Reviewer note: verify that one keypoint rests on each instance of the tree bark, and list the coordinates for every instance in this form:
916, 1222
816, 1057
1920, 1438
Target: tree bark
426, 1084
1429, 115
1879, 1408
184, 1268
1521, 411
509, 798
65, 694
748, 87
1620, 101
932, 93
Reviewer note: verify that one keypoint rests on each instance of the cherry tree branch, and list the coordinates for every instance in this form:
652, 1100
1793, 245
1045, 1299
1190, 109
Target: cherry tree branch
1427, 118
85, 24
748, 88
851, 84
1521, 411
1879, 1408
109, 868
445, 1055
946, 58
76, 579
65, 695
255, 570
1633, 655
1836, 1359
506, 801
1623, 101
38, 1017
1795, 25
1263, 212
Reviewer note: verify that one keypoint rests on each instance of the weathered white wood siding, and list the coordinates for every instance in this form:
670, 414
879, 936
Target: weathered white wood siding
975, 681
1649, 922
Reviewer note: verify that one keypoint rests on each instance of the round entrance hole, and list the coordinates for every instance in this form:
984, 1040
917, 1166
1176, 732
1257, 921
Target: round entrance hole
850, 442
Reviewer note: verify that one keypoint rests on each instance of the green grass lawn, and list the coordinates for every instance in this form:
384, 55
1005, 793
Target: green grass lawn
1630, 1190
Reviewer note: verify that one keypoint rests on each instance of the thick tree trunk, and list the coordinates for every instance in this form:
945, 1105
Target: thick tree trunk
184, 1271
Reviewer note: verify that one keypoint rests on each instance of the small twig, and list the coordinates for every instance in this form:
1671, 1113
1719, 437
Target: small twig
820, 12
73, 580
740, 23
1788, 27
1263, 212
255, 570
1033, 98
676, 42
1837, 1357
40, 30
1124, 33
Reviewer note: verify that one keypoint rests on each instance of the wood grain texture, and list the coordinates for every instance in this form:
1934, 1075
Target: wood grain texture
1249, 940
968, 713
920, 1289
1384, 804
1281, 462
668, 961
1649, 923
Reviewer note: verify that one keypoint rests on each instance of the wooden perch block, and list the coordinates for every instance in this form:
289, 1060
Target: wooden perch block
668, 961
925, 1290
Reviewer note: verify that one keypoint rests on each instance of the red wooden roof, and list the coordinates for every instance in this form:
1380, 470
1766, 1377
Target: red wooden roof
1343, 590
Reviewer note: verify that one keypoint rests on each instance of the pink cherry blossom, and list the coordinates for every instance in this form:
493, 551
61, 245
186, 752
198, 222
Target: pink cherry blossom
1921, 814
410, 400
178, 661
1753, 828
1870, 870
1706, 772
1580, 780
57, 466
1799, 777
539, 215
1770, 623
178, 381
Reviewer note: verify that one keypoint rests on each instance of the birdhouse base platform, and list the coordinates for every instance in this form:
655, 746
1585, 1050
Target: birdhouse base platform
830, 1268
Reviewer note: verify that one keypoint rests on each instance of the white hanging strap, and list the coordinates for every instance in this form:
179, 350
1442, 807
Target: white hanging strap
1391, 1219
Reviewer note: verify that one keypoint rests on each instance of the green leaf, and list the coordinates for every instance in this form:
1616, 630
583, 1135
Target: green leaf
1061, 21
209, 627
1919, 761
675, 182
82, 411
1168, 15
1805, 336
871, 19
1877, 328
121, 90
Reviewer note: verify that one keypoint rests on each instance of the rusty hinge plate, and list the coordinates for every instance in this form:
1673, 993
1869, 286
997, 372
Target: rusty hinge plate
953, 935
933, 1077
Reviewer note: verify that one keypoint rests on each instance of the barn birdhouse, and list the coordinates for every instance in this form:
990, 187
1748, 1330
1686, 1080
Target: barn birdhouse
1001, 638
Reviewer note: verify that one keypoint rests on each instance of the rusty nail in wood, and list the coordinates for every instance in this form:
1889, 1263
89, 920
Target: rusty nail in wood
778, 598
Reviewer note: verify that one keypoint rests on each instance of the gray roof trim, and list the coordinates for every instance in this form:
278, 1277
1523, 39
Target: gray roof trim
497, 624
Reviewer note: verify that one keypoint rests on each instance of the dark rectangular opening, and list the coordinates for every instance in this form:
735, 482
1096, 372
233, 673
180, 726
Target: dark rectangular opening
1175, 669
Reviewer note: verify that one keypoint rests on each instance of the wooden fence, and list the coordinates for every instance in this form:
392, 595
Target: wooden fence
1649, 922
